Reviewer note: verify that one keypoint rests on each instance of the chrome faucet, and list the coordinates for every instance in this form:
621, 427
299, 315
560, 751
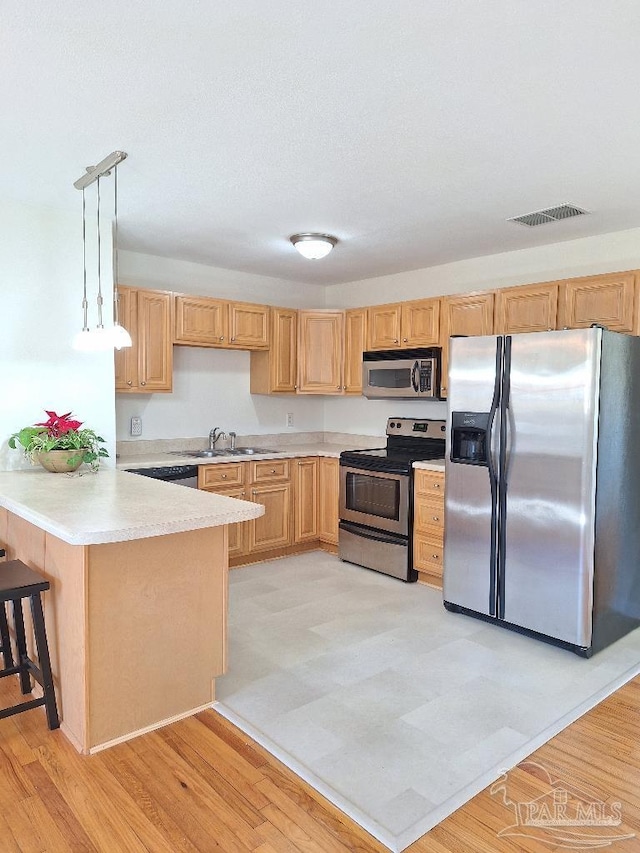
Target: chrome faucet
232, 438
214, 435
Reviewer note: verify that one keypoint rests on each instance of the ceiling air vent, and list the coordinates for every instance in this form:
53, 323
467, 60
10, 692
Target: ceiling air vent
550, 214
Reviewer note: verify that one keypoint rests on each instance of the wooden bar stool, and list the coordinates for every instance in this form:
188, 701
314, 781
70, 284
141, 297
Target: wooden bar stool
17, 582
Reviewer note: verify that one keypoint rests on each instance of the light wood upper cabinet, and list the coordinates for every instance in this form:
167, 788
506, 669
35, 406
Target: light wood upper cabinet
201, 321
274, 371
328, 494
383, 326
606, 299
305, 504
206, 322
248, 325
530, 308
320, 352
147, 366
468, 314
355, 328
404, 325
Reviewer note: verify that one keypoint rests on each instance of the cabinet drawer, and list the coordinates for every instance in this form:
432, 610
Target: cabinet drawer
225, 474
429, 516
429, 483
427, 555
268, 470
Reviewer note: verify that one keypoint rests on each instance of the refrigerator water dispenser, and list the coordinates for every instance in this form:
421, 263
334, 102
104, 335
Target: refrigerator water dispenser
469, 437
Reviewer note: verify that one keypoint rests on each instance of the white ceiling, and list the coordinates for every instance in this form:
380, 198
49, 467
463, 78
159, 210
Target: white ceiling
411, 129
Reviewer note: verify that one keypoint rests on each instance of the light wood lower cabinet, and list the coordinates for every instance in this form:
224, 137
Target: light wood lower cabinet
328, 493
428, 526
227, 479
305, 499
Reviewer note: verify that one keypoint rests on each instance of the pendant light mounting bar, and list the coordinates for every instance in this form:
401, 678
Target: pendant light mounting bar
102, 168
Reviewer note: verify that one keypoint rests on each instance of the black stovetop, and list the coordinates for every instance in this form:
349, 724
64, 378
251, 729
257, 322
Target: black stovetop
408, 441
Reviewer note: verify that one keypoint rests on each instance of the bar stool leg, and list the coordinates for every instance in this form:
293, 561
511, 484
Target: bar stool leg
45, 663
5, 640
21, 643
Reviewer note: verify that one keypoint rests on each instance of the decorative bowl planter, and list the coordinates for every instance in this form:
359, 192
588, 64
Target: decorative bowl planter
61, 461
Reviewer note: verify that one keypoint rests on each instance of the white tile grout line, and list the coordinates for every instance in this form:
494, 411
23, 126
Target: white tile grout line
443, 810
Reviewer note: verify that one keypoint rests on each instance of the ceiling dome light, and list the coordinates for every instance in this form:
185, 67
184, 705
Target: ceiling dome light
313, 246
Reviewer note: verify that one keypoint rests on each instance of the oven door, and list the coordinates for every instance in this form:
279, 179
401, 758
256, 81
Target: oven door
375, 499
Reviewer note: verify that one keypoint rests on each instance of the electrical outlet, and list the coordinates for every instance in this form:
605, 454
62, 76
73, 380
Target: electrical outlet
289, 419
136, 425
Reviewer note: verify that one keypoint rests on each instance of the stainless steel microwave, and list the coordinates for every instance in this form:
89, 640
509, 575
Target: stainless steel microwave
402, 374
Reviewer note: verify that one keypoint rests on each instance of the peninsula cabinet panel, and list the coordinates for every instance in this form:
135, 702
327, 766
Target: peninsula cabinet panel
328, 493
320, 352
305, 503
606, 299
147, 366
355, 326
274, 371
201, 322
248, 325
469, 314
530, 308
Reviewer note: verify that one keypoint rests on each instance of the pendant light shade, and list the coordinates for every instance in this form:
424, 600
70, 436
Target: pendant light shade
313, 246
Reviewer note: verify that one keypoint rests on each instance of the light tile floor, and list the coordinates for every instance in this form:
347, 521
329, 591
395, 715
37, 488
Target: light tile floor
394, 709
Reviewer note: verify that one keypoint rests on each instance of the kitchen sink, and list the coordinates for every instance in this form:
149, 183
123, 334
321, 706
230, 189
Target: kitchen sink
207, 454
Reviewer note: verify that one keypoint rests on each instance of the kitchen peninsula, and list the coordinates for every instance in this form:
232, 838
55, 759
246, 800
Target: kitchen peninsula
136, 614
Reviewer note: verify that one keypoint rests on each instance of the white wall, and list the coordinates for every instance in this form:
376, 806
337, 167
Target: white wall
41, 285
211, 387
589, 256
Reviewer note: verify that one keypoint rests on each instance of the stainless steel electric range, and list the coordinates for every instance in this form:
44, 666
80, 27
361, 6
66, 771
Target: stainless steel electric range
376, 496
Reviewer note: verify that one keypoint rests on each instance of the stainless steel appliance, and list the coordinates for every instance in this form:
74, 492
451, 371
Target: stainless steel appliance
542, 484
181, 475
401, 374
376, 496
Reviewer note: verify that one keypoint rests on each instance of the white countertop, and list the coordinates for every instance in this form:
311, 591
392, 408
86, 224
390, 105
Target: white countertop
294, 451
113, 506
433, 465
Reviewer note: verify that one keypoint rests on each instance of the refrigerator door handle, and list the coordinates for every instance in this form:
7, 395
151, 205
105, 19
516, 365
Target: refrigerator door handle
493, 481
505, 434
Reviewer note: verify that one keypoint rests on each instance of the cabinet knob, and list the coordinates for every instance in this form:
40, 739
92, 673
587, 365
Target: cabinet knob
143, 382
435, 556
243, 494
295, 387
436, 485
129, 382
338, 387
253, 492
404, 340
273, 470
224, 476
232, 340
221, 337
435, 518
395, 340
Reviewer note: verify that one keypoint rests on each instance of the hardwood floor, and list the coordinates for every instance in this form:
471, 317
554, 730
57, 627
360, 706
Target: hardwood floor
201, 785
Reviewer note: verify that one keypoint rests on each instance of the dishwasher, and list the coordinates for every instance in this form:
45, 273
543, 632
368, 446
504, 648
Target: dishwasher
181, 475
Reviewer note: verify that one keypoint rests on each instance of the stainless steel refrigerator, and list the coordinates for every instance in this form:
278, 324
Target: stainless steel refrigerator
542, 487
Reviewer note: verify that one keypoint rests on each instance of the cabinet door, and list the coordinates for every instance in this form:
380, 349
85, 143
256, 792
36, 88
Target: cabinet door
126, 360
320, 348
273, 529
201, 321
354, 344
420, 323
275, 371
606, 299
236, 532
305, 504
155, 353
470, 314
248, 325
328, 491
531, 308
383, 326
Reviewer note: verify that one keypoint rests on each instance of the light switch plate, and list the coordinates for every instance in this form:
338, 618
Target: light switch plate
136, 425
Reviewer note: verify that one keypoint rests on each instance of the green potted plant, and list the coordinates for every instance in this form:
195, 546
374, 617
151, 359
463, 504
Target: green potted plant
59, 444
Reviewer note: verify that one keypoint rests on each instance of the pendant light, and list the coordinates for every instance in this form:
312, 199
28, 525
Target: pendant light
101, 338
313, 246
